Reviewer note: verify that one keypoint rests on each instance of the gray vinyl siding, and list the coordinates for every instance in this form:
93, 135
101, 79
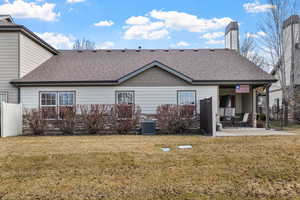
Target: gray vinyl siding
9, 62
32, 55
147, 97
155, 77
275, 95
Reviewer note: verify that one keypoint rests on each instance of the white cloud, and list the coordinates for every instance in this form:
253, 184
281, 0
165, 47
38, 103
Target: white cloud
252, 35
151, 31
215, 41
213, 35
256, 35
75, 1
261, 33
157, 24
182, 44
184, 21
257, 7
106, 45
139, 20
25, 9
57, 40
104, 23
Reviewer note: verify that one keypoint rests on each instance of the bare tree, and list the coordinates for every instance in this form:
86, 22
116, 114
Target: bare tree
84, 44
274, 43
250, 51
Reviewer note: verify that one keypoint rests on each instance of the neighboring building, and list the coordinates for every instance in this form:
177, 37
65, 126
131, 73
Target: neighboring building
39, 76
21, 51
291, 35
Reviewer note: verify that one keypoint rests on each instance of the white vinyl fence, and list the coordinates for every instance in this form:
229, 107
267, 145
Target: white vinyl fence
11, 119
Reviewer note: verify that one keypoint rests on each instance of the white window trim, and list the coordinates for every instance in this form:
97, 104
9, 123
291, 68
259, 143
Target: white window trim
57, 106
125, 91
195, 104
193, 91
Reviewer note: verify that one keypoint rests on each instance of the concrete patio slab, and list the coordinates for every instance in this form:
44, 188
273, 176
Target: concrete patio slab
250, 132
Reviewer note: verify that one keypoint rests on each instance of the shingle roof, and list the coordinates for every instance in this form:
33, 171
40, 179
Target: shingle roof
112, 65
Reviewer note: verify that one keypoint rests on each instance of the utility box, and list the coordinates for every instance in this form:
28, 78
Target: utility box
148, 127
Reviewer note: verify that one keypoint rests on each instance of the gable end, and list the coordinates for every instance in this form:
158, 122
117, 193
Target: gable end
156, 73
155, 77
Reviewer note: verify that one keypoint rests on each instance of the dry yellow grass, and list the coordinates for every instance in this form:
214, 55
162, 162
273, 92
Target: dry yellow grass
134, 167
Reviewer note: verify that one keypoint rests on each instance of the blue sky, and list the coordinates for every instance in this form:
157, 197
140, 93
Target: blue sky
133, 23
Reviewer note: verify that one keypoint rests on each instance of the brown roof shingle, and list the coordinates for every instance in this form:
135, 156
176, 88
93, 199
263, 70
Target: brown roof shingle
111, 65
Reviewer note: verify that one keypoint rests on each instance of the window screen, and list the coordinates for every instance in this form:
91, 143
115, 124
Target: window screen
186, 98
125, 97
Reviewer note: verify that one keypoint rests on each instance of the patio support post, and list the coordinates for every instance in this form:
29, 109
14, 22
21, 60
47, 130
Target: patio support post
254, 112
267, 107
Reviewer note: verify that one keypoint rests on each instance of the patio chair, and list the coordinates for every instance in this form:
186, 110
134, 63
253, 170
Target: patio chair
226, 119
245, 120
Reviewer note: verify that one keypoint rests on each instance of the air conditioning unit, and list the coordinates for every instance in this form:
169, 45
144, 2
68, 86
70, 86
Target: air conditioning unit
148, 127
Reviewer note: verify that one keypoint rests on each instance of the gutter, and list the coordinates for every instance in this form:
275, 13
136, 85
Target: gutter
116, 83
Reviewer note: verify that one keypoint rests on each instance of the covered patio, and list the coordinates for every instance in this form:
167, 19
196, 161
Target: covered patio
237, 106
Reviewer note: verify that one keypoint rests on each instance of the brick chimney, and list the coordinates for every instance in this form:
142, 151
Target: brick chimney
232, 40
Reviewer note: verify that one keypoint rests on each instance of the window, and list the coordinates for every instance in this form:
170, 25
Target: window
125, 97
66, 98
51, 102
125, 101
186, 98
49, 105
187, 102
3, 96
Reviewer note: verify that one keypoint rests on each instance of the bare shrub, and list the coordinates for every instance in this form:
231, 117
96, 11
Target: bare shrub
173, 119
36, 121
95, 117
67, 121
125, 118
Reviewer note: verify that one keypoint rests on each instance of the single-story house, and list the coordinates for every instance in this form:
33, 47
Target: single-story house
37, 75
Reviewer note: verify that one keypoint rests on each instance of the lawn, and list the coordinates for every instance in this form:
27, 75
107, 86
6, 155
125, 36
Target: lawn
134, 167
294, 128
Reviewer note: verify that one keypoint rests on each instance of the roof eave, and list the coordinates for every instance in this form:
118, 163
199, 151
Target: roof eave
238, 81
115, 83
